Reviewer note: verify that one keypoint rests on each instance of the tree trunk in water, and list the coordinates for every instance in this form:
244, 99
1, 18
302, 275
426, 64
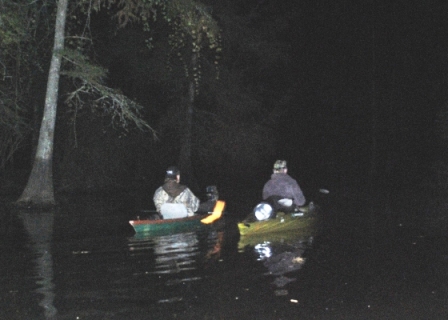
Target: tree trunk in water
39, 189
185, 165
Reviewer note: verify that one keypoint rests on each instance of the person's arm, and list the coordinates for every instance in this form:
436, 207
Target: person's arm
266, 191
159, 198
299, 198
193, 202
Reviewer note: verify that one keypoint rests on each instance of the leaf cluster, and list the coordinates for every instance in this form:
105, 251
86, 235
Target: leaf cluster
194, 30
12, 28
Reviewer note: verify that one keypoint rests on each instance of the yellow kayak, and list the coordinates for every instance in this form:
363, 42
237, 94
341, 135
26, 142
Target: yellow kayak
305, 220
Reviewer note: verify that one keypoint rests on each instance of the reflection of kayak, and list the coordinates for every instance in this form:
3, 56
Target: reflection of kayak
284, 237
166, 226
304, 221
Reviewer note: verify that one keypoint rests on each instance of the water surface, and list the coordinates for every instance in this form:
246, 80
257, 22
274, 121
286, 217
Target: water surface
83, 261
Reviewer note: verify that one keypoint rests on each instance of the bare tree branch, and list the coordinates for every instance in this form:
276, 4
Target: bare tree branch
90, 90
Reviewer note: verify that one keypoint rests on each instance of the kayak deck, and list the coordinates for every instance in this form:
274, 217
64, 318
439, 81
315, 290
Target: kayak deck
282, 223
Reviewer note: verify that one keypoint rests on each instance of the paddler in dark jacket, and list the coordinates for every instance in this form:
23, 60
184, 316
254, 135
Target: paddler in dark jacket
212, 195
282, 191
174, 192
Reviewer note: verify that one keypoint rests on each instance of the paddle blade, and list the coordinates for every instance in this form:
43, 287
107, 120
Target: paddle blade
216, 214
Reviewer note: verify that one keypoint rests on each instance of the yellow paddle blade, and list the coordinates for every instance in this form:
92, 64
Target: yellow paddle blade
216, 214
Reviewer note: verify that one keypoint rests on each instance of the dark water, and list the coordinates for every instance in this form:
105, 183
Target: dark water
84, 262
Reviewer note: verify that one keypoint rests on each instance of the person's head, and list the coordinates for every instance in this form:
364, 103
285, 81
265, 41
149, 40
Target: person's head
172, 173
280, 166
211, 193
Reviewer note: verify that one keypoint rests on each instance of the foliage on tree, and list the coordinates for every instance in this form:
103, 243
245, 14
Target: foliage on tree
193, 30
91, 92
39, 188
235, 118
243, 110
21, 66
187, 18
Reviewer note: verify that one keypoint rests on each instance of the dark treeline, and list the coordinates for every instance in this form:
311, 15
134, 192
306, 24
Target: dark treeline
347, 93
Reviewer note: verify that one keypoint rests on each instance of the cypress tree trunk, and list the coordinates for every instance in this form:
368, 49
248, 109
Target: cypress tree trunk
39, 189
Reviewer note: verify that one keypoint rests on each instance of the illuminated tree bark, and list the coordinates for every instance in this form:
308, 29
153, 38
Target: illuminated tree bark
39, 189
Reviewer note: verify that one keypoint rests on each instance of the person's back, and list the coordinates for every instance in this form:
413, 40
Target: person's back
175, 193
282, 190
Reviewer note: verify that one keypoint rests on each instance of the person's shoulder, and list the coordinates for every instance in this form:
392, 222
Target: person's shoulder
274, 176
288, 177
188, 190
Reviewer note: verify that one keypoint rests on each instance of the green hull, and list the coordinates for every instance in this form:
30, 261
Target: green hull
172, 226
282, 223
162, 227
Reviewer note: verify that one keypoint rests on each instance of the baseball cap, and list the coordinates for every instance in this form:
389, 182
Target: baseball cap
280, 164
172, 172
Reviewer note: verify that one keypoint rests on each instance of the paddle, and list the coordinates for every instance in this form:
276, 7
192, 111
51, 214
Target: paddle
216, 214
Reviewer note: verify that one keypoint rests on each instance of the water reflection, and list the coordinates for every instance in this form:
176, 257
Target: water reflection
98, 273
177, 258
39, 226
281, 254
175, 253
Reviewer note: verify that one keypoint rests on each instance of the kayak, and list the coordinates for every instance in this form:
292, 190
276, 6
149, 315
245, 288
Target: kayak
305, 221
170, 225
166, 226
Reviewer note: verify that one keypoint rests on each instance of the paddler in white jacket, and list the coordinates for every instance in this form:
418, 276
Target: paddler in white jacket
174, 192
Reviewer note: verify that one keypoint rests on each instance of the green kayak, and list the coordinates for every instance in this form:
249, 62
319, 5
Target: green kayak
167, 226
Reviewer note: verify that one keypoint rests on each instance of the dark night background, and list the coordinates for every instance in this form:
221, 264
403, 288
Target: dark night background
347, 92
353, 94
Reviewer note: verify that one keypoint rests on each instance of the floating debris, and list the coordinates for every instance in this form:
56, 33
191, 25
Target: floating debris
281, 292
80, 252
175, 299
